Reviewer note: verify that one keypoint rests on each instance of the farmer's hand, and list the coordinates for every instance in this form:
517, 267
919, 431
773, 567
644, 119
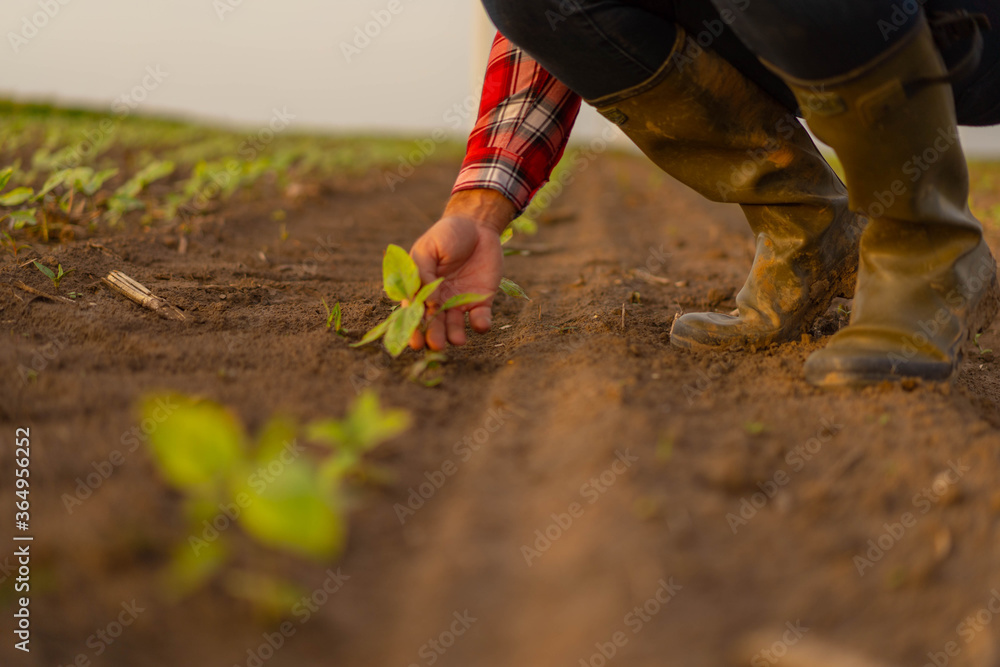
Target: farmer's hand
463, 247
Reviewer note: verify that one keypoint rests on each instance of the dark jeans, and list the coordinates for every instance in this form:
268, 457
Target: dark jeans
601, 47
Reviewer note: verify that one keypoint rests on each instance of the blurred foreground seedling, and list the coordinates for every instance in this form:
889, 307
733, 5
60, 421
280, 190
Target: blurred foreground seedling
285, 497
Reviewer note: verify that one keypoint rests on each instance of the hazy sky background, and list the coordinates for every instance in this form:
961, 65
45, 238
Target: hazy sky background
265, 54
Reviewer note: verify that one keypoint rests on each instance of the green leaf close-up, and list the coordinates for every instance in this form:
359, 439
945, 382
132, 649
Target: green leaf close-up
16, 197
195, 443
510, 288
427, 290
464, 300
375, 332
46, 271
289, 511
402, 325
278, 436
22, 217
365, 426
400, 276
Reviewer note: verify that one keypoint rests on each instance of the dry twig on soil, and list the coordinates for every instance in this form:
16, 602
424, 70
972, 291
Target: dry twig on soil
37, 292
140, 294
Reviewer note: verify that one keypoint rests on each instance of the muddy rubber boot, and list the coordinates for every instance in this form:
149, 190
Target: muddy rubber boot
707, 125
927, 281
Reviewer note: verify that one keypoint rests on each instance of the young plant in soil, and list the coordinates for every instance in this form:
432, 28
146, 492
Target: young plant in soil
280, 495
401, 281
14, 198
982, 352
11, 245
55, 276
333, 318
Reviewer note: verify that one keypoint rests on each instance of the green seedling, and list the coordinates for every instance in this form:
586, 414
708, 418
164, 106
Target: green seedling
510, 288
284, 497
981, 350
16, 197
426, 371
153, 171
755, 428
333, 318
843, 311
365, 427
55, 276
126, 197
11, 245
80, 179
401, 281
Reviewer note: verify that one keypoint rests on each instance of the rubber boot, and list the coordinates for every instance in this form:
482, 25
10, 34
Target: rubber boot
927, 281
707, 125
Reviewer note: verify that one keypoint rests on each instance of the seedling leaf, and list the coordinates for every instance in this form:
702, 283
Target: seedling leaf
365, 426
376, 332
46, 271
511, 288
151, 172
463, 300
53, 182
277, 436
16, 197
5, 175
334, 319
25, 216
290, 511
427, 290
399, 274
402, 327
196, 443
98, 179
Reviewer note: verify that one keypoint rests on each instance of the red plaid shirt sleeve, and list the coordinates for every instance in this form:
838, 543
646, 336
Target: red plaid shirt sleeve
525, 117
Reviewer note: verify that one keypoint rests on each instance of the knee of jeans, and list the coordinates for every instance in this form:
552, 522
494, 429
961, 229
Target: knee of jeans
529, 23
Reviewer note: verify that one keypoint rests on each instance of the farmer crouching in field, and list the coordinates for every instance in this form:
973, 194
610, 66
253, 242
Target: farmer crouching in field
710, 91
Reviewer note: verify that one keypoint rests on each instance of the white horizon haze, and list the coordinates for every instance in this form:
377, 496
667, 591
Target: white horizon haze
370, 66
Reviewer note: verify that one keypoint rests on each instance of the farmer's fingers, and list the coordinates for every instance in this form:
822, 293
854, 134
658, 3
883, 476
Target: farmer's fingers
427, 264
456, 326
481, 318
417, 340
436, 339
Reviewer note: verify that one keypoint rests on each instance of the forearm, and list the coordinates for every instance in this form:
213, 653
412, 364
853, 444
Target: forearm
486, 207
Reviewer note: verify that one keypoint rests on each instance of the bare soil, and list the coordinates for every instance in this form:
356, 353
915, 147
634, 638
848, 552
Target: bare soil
594, 468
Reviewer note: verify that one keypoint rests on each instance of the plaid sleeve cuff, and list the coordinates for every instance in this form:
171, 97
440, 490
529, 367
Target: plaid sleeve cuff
500, 170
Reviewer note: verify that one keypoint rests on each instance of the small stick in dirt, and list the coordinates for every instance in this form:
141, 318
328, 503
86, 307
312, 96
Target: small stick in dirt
140, 294
37, 292
623, 317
